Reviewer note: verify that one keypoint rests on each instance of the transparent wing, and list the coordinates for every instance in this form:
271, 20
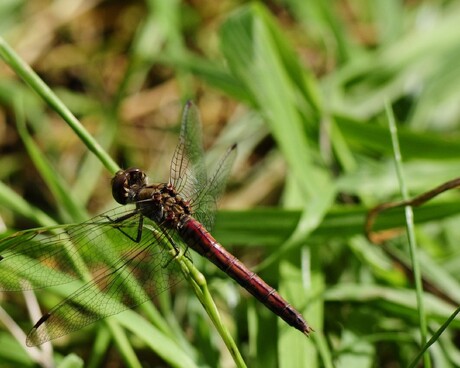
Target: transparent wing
114, 290
204, 203
57, 255
129, 258
188, 171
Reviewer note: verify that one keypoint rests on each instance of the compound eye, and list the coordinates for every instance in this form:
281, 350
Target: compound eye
125, 183
119, 186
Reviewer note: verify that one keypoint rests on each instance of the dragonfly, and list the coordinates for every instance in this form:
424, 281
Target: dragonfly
126, 255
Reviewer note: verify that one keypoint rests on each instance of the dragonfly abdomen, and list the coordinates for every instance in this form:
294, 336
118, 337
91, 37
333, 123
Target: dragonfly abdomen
201, 241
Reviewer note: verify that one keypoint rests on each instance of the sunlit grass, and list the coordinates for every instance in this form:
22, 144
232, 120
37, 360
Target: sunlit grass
301, 87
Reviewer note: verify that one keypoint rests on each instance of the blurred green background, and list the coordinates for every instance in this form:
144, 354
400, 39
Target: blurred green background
301, 87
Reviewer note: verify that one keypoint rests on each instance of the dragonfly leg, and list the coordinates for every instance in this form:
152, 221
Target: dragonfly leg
121, 218
138, 237
187, 254
175, 246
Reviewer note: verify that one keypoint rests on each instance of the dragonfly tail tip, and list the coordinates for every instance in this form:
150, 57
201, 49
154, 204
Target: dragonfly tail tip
308, 331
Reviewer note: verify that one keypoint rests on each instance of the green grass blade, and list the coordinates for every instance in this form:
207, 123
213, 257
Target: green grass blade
73, 211
410, 233
259, 55
34, 81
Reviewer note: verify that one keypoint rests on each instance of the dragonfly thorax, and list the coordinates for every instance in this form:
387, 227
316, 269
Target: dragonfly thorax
159, 202
162, 203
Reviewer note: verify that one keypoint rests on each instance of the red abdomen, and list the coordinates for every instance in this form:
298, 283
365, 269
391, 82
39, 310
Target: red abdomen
202, 242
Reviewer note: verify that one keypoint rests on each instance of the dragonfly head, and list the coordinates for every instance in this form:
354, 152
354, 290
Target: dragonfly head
126, 185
